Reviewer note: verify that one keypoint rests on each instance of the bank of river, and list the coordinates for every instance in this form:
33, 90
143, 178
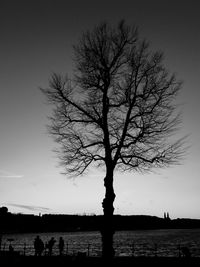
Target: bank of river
162, 242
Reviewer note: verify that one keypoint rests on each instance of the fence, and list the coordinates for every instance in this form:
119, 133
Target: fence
87, 249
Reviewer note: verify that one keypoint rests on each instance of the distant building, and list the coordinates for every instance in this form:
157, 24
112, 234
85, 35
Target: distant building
166, 216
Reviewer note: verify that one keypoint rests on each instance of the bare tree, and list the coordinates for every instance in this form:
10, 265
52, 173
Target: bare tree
118, 111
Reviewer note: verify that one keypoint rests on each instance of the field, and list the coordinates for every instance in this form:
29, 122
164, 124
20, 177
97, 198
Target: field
57, 261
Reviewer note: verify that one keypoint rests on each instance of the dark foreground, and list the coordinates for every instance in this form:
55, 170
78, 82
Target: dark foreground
58, 261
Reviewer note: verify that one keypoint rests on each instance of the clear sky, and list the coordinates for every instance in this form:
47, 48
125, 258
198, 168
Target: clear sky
36, 39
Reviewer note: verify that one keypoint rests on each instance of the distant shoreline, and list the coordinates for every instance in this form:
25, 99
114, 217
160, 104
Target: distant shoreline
86, 231
24, 223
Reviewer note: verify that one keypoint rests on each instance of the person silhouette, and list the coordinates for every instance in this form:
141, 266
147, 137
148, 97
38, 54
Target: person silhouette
61, 245
38, 246
11, 249
50, 245
186, 252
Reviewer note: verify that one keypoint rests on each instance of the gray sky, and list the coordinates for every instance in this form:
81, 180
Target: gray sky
37, 39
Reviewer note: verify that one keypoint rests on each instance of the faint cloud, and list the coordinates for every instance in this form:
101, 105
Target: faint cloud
6, 174
74, 184
165, 177
29, 207
151, 202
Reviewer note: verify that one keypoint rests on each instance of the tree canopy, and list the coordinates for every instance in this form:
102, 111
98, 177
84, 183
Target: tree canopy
119, 108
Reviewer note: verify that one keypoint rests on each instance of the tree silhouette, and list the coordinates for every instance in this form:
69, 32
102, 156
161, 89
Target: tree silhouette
118, 111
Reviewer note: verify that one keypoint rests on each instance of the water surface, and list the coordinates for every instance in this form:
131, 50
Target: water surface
163, 242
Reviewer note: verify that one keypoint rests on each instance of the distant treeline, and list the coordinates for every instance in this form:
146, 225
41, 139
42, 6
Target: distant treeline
60, 223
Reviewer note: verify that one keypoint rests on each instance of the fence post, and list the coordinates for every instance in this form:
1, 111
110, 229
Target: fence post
133, 249
24, 249
67, 249
88, 249
179, 251
155, 249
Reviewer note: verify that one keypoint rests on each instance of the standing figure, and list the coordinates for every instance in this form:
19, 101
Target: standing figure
61, 245
50, 245
38, 246
11, 249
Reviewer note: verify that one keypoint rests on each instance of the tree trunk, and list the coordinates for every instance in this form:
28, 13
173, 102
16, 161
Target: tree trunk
107, 228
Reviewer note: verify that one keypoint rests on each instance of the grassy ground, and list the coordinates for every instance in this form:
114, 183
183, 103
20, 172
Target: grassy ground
57, 261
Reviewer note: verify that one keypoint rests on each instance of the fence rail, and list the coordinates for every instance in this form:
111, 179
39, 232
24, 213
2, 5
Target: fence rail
89, 249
